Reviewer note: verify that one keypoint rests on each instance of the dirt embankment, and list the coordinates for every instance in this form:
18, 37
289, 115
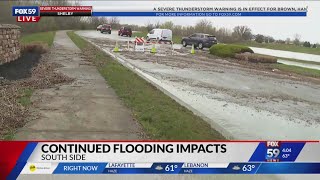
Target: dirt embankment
30, 72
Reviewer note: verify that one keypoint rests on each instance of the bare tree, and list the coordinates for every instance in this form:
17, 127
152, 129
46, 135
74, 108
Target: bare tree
242, 32
296, 38
204, 26
203, 23
149, 26
114, 22
224, 35
167, 25
157, 24
288, 41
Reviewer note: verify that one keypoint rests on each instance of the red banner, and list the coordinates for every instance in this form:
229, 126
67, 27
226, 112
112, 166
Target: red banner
28, 18
65, 8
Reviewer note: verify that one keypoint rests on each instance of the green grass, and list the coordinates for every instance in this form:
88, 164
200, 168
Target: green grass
82, 44
45, 37
26, 94
160, 116
175, 39
228, 50
284, 47
298, 70
9, 136
300, 61
139, 34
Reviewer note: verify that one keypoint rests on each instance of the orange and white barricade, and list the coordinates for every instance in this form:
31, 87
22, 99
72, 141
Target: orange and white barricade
139, 44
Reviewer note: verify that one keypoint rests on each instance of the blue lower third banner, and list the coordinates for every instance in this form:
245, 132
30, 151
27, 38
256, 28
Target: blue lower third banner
181, 168
146, 157
199, 14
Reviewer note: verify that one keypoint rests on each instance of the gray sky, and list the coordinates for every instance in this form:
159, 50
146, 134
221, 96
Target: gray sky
278, 27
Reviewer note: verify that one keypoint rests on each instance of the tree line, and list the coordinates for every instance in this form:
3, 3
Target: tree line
259, 38
225, 35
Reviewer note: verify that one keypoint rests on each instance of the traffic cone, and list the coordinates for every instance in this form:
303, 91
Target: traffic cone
116, 48
192, 49
153, 49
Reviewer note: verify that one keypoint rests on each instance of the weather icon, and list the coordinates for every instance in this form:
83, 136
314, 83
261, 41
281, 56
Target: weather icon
159, 168
236, 168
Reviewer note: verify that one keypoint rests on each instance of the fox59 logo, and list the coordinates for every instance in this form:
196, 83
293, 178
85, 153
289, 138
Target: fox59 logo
273, 151
25, 11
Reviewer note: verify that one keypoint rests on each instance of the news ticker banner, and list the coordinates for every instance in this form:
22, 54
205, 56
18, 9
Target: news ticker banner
33, 13
148, 157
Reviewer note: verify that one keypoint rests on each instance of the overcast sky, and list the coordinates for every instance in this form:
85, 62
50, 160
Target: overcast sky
278, 27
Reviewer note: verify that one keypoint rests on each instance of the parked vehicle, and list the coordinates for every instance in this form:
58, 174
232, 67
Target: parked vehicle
106, 28
160, 35
199, 40
99, 27
125, 31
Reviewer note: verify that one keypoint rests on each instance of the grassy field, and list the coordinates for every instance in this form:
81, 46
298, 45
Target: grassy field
298, 70
300, 61
139, 34
160, 116
175, 39
285, 47
46, 37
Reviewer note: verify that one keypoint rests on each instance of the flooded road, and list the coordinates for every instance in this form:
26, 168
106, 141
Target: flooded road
244, 103
255, 117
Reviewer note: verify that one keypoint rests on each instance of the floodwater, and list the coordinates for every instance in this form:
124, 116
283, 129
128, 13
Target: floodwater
235, 101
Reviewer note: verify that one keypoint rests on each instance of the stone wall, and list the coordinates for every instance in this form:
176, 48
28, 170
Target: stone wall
9, 43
